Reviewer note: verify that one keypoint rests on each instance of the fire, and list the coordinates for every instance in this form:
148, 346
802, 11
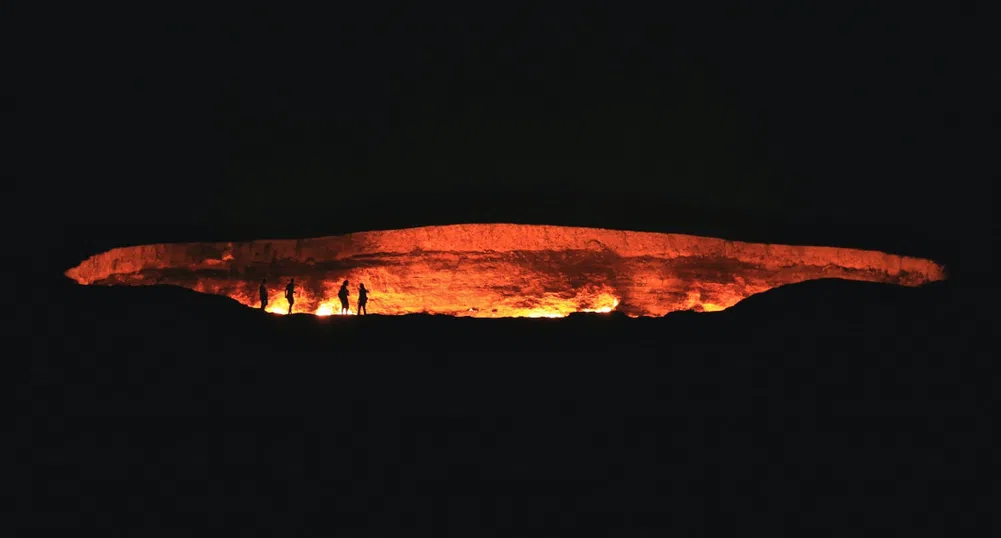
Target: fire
274, 309
498, 270
603, 309
329, 308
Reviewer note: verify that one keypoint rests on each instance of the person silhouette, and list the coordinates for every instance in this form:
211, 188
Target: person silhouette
362, 300
343, 296
290, 294
264, 293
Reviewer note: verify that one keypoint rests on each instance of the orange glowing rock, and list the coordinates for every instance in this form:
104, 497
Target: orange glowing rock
498, 270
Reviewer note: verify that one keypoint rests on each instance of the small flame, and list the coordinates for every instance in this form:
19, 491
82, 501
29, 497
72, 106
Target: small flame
275, 309
330, 308
603, 309
562, 314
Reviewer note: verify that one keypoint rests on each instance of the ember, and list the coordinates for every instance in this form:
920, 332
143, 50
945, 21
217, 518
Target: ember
498, 270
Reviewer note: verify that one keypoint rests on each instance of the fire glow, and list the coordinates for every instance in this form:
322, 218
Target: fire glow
497, 270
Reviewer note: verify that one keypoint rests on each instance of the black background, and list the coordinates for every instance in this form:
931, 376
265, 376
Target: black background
859, 125
835, 407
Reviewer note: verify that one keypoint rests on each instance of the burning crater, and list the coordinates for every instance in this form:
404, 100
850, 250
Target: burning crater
498, 270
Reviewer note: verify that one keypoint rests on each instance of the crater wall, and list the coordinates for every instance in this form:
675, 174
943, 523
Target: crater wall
498, 270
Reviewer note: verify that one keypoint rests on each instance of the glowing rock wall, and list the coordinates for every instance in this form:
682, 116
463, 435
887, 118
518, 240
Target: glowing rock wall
497, 270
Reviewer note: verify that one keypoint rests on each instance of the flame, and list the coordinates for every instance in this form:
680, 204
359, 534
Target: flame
498, 270
331, 308
603, 309
274, 309
557, 309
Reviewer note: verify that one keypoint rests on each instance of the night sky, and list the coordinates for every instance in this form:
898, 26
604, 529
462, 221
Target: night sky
755, 122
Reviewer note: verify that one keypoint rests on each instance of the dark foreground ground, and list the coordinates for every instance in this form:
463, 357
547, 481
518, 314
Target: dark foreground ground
826, 408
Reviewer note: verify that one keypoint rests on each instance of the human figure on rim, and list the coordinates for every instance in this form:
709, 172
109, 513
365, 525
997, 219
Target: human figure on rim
343, 296
264, 293
290, 294
362, 300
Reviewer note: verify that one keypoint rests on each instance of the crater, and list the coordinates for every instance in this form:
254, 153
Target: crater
498, 270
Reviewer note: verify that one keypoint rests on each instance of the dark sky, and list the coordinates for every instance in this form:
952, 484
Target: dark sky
267, 122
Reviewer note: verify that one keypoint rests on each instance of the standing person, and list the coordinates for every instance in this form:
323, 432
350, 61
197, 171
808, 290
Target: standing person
264, 293
290, 294
343, 296
362, 300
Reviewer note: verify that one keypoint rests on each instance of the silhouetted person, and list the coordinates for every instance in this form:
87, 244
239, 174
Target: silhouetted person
362, 299
343, 296
264, 293
290, 294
